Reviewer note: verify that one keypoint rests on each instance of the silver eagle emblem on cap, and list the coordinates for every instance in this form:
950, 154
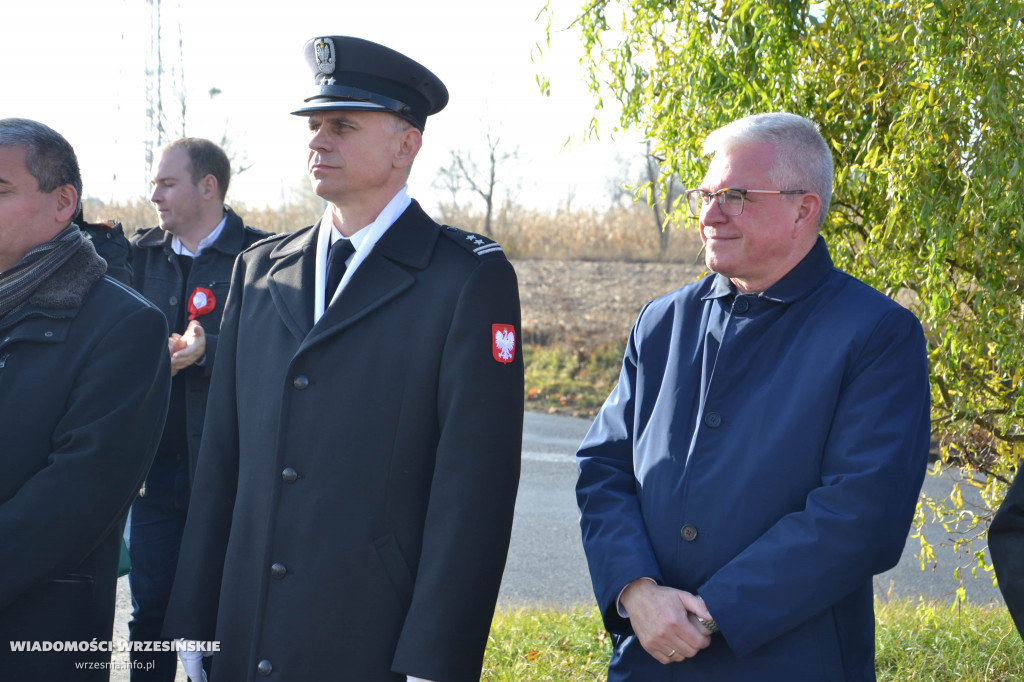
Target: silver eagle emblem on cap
325, 55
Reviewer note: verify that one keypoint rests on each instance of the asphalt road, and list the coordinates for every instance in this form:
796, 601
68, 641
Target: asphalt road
546, 565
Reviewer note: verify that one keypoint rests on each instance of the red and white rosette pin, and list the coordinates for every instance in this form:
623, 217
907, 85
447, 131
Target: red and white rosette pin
503, 346
200, 302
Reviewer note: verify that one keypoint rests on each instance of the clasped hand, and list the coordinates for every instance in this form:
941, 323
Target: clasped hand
664, 620
188, 348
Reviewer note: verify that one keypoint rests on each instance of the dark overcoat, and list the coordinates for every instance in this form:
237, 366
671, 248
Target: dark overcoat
158, 276
353, 503
1006, 544
765, 451
84, 385
112, 246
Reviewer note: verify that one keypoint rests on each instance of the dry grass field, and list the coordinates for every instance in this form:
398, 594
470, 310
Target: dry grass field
591, 302
583, 274
617, 233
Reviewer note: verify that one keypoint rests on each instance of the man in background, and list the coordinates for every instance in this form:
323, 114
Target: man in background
761, 456
353, 502
183, 267
84, 380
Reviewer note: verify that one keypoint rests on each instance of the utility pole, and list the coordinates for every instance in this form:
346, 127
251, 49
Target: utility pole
165, 106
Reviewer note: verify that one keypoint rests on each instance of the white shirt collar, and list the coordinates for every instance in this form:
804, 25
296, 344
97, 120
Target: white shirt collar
363, 241
179, 248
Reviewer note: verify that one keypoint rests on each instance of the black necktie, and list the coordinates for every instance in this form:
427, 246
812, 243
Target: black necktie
339, 253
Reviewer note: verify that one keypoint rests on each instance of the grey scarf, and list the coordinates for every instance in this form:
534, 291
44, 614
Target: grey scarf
18, 283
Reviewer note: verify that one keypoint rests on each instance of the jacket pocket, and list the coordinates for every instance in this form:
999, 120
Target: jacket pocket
390, 555
74, 579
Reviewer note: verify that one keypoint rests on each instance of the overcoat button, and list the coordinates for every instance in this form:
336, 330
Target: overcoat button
278, 571
301, 382
713, 420
264, 667
741, 306
289, 475
174, 300
689, 532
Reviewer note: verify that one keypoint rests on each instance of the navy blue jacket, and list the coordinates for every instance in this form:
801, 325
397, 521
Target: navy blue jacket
765, 451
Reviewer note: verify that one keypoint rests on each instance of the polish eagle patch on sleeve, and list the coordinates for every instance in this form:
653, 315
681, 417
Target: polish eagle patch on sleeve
504, 347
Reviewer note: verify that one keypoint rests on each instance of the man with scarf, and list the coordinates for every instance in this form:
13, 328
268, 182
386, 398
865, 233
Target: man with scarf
84, 385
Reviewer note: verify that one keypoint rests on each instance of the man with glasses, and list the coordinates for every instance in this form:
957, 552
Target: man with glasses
761, 457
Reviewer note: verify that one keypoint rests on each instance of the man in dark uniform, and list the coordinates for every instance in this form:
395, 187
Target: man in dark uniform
1006, 545
183, 267
353, 501
84, 380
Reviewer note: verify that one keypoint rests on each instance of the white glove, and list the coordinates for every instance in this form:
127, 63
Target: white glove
192, 663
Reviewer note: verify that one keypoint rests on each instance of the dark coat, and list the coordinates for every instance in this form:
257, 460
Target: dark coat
765, 451
1006, 545
351, 517
158, 277
84, 384
112, 246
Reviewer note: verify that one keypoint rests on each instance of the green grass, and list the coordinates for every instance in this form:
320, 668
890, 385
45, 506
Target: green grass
914, 643
571, 379
923, 642
545, 644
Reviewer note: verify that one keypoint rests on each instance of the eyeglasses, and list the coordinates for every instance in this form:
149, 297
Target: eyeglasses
729, 200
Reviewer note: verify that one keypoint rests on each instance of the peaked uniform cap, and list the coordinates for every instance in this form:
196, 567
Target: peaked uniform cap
355, 74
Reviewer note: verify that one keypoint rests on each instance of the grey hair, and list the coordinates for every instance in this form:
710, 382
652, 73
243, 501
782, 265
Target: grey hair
49, 158
803, 159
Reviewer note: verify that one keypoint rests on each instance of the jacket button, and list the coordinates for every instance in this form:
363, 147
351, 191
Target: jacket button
301, 382
278, 571
713, 420
289, 475
741, 306
689, 532
173, 300
264, 667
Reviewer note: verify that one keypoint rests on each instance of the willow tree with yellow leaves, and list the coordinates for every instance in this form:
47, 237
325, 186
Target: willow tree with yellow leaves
923, 104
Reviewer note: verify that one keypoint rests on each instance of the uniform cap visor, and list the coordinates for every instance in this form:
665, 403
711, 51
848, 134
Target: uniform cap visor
339, 105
